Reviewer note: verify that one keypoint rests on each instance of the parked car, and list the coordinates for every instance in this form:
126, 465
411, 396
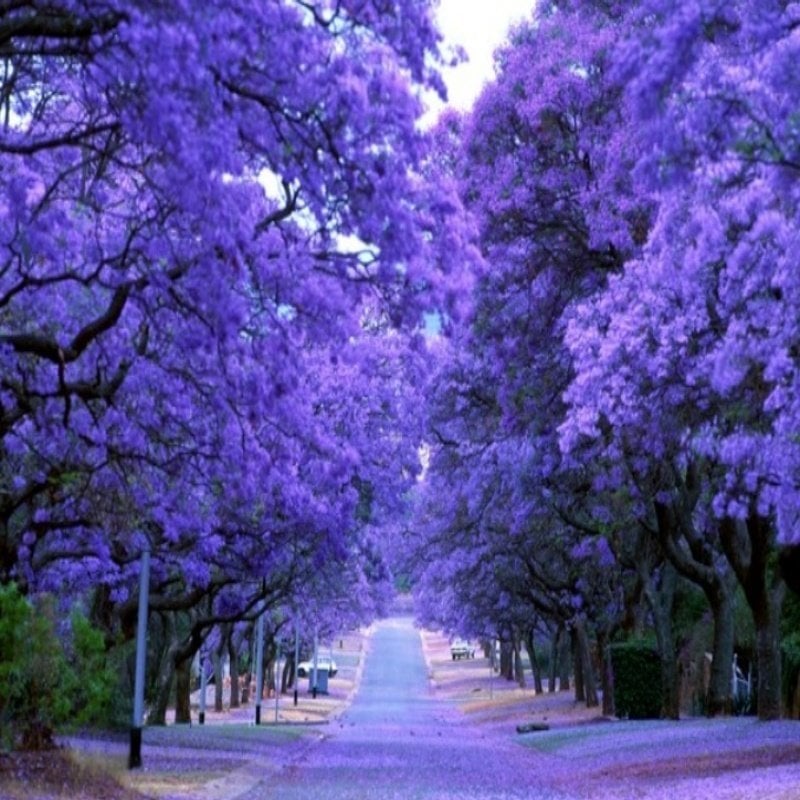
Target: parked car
462, 649
305, 668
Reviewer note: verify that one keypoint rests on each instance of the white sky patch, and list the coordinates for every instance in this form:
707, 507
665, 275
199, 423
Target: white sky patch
479, 27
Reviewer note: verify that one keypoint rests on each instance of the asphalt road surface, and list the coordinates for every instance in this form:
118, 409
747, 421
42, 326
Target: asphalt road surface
397, 741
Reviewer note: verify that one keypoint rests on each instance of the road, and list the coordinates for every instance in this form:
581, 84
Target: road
397, 741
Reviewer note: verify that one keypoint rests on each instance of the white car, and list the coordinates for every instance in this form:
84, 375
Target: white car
306, 668
462, 649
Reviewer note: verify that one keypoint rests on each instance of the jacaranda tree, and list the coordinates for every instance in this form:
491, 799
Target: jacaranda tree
199, 209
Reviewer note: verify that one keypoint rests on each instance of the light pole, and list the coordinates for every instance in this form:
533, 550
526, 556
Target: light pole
491, 669
202, 690
259, 665
296, 657
316, 656
277, 676
135, 754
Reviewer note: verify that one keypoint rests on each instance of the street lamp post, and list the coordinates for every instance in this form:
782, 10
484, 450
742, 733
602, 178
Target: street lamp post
314, 671
135, 754
277, 677
296, 657
202, 690
259, 665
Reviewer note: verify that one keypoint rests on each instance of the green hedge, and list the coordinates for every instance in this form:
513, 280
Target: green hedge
637, 680
790, 672
47, 681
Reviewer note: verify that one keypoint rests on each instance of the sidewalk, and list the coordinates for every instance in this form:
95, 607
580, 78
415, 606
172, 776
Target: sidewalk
229, 754
348, 652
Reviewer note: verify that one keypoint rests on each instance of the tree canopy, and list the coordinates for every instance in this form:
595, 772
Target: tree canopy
225, 240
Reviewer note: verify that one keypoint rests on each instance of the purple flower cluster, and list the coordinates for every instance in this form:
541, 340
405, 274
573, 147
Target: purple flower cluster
219, 239
620, 417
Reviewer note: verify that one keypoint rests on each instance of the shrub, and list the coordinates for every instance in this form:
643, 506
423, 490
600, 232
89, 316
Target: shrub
43, 684
637, 680
32, 671
91, 681
790, 672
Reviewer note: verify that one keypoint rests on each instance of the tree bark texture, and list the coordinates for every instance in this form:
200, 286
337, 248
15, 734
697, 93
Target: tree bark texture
519, 672
288, 676
217, 662
659, 592
606, 674
578, 664
564, 661
183, 689
233, 655
554, 651
530, 646
584, 653
748, 545
165, 673
694, 557
507, 660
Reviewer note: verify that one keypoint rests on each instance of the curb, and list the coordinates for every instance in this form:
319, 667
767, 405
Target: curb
246, 778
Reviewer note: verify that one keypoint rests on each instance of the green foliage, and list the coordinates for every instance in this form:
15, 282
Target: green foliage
790, 671
744, 626
32, 671
121, 663
91, 681
691, 607
790, 616
47, 683
14, 620
637, 680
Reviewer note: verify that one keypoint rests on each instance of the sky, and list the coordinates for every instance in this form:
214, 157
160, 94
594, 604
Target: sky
479, 26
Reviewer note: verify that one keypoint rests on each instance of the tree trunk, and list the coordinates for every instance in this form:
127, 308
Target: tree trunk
165, 672
248, 675
554, 642
606, 674
577, 662
217, 661
749, 546
183, 688
530, 646
270, 653
519, 672
564, 661
696, 562
506, 661
288, 677
719, 699
660, 597
587, 668
768, 654
233, 655
609, 709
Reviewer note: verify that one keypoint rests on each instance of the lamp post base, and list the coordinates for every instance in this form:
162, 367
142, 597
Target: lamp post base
135, 755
